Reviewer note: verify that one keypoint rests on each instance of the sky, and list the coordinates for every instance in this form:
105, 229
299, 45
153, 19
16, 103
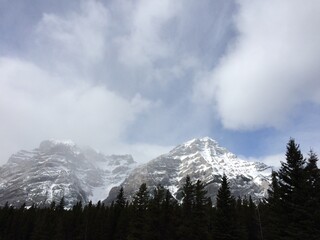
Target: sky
142, 76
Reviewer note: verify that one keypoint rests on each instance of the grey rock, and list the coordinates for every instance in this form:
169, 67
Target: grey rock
60, 169
201, 159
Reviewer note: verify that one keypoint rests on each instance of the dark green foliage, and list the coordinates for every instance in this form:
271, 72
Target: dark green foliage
225, 224
201, 212
139, 206
292, 177
188, 197
252, 221
292, 203
185, 231
141, 199
313, 192
121, 200
156, 227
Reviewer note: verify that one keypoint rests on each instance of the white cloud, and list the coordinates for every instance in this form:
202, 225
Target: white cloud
271, 160
143, 152
76, 41
35, 106
271, 68
92, 72
143, 44
53, 91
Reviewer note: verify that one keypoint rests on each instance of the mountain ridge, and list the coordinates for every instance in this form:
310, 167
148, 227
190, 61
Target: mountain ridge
59, 169
202, 159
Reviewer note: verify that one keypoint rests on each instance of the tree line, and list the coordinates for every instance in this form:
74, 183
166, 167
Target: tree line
291, 211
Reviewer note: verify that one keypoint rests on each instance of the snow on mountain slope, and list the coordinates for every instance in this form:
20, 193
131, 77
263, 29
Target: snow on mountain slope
61, 169
201, 159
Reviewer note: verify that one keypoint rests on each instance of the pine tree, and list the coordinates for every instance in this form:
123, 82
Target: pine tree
313, 180
200, 213
292, 176
121, 200
170, 211
140, 204
225, 225
141, 199
289, 197
188, 197
273, 213
186, 227
115, 220
313, 191
155, 219
293, 194
274, 190
252, 225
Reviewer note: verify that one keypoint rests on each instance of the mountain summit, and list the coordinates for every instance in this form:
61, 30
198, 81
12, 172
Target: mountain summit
59, 169
201, 159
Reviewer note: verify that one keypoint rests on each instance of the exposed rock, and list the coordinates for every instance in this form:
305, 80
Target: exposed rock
201, 159
61, 169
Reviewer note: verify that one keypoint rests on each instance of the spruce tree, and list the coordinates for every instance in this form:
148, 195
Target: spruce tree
140, 204
225, 225
186, 228
155, 218
141, 198
289, 197
274, 190
313, 180
313, 191
252, 224
273, 209
200, 214
170, 209
188, 196
293, 194
292, 177
120, 200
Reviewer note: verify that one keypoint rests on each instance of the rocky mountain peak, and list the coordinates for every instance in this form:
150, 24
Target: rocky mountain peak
203, 159
206, 147
59, 169
48, 145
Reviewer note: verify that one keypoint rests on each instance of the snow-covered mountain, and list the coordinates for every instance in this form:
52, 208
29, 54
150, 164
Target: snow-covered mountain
61, 168
201, 159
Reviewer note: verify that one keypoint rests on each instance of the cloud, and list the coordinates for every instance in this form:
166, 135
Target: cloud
144, 152
75, 42
143, 44
35, 106
77, 77
271, 160
270, 69
119, 75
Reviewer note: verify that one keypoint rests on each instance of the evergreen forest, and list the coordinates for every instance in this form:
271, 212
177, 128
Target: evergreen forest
291, 211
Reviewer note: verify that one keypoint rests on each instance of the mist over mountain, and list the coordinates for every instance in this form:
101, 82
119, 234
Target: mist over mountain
59, 169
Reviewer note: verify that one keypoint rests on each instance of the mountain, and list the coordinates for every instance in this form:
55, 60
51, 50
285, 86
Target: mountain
201, 159
59, 169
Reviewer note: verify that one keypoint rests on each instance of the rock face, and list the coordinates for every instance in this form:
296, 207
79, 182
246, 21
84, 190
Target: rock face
201, 159
61, 169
